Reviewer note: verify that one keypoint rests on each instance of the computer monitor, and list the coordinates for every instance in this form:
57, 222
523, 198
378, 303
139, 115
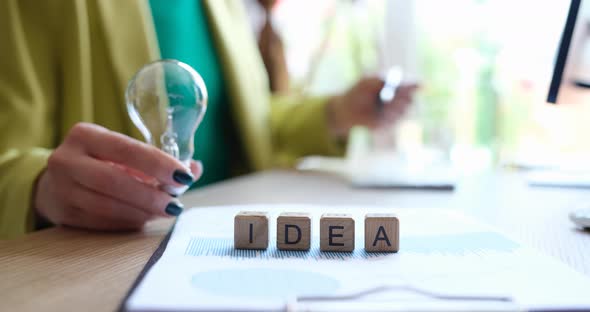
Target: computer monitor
563, 53
582, 216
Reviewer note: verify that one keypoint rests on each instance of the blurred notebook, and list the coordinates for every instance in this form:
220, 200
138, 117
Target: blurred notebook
382, 172
559, 178
434, 178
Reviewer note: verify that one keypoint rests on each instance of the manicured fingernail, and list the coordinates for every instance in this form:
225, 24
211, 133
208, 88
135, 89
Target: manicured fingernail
183, 177
174, 209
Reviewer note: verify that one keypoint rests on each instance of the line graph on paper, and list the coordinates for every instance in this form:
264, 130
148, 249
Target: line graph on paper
446, 244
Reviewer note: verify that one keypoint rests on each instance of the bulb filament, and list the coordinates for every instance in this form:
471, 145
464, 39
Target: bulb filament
168, 138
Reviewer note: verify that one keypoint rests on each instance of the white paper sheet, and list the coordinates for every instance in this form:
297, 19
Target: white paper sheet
440, 251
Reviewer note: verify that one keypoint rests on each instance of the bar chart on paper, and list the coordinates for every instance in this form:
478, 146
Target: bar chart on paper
440, 251
448, 244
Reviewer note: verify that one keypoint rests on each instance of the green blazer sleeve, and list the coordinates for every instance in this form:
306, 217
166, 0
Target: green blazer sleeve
23, 112
61, 62
299, 128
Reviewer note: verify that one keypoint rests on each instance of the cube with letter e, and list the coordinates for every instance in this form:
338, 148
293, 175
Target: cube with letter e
251, 230
381, 232
336, 232
294, 231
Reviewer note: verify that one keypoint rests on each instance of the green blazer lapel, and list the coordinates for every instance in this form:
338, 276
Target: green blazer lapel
130, 41
245, 78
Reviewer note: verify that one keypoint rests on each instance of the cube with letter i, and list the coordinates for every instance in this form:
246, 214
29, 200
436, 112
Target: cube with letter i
251, 230
294, 231
381, 232
336, 232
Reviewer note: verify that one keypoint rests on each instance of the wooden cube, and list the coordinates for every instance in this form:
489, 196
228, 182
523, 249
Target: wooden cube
294, 231
336, 232
251, 230
381, 232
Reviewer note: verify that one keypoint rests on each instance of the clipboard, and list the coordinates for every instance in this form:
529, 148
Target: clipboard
190, 237
149, 264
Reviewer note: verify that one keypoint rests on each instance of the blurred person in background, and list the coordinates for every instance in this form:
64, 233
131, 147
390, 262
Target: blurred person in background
70, 155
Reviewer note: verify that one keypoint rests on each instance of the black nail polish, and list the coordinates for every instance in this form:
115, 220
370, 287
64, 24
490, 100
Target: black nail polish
183, 177
173, 209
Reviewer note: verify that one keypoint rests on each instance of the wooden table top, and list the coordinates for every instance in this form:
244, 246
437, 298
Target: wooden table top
67, 269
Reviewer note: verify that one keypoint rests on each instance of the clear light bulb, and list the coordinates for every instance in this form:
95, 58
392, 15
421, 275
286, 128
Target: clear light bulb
166, 101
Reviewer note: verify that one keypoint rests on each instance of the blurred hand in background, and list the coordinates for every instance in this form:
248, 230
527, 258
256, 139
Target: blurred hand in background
359, 107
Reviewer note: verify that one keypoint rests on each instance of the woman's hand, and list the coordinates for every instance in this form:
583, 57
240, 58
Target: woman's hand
100, 179
358, 106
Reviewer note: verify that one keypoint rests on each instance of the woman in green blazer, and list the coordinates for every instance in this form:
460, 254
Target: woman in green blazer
70, 155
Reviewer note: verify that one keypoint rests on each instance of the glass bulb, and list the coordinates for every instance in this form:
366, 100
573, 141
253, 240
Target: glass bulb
166, 101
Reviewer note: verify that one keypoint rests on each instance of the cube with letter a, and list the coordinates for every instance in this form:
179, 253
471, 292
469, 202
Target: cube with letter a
251, 230
381, 232
336, 232
294, 231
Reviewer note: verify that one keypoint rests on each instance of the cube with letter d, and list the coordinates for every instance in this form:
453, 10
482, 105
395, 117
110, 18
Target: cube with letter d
381, 232
251, 230
294, 231
336, 232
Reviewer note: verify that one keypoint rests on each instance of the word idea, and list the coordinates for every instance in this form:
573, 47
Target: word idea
337, 231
